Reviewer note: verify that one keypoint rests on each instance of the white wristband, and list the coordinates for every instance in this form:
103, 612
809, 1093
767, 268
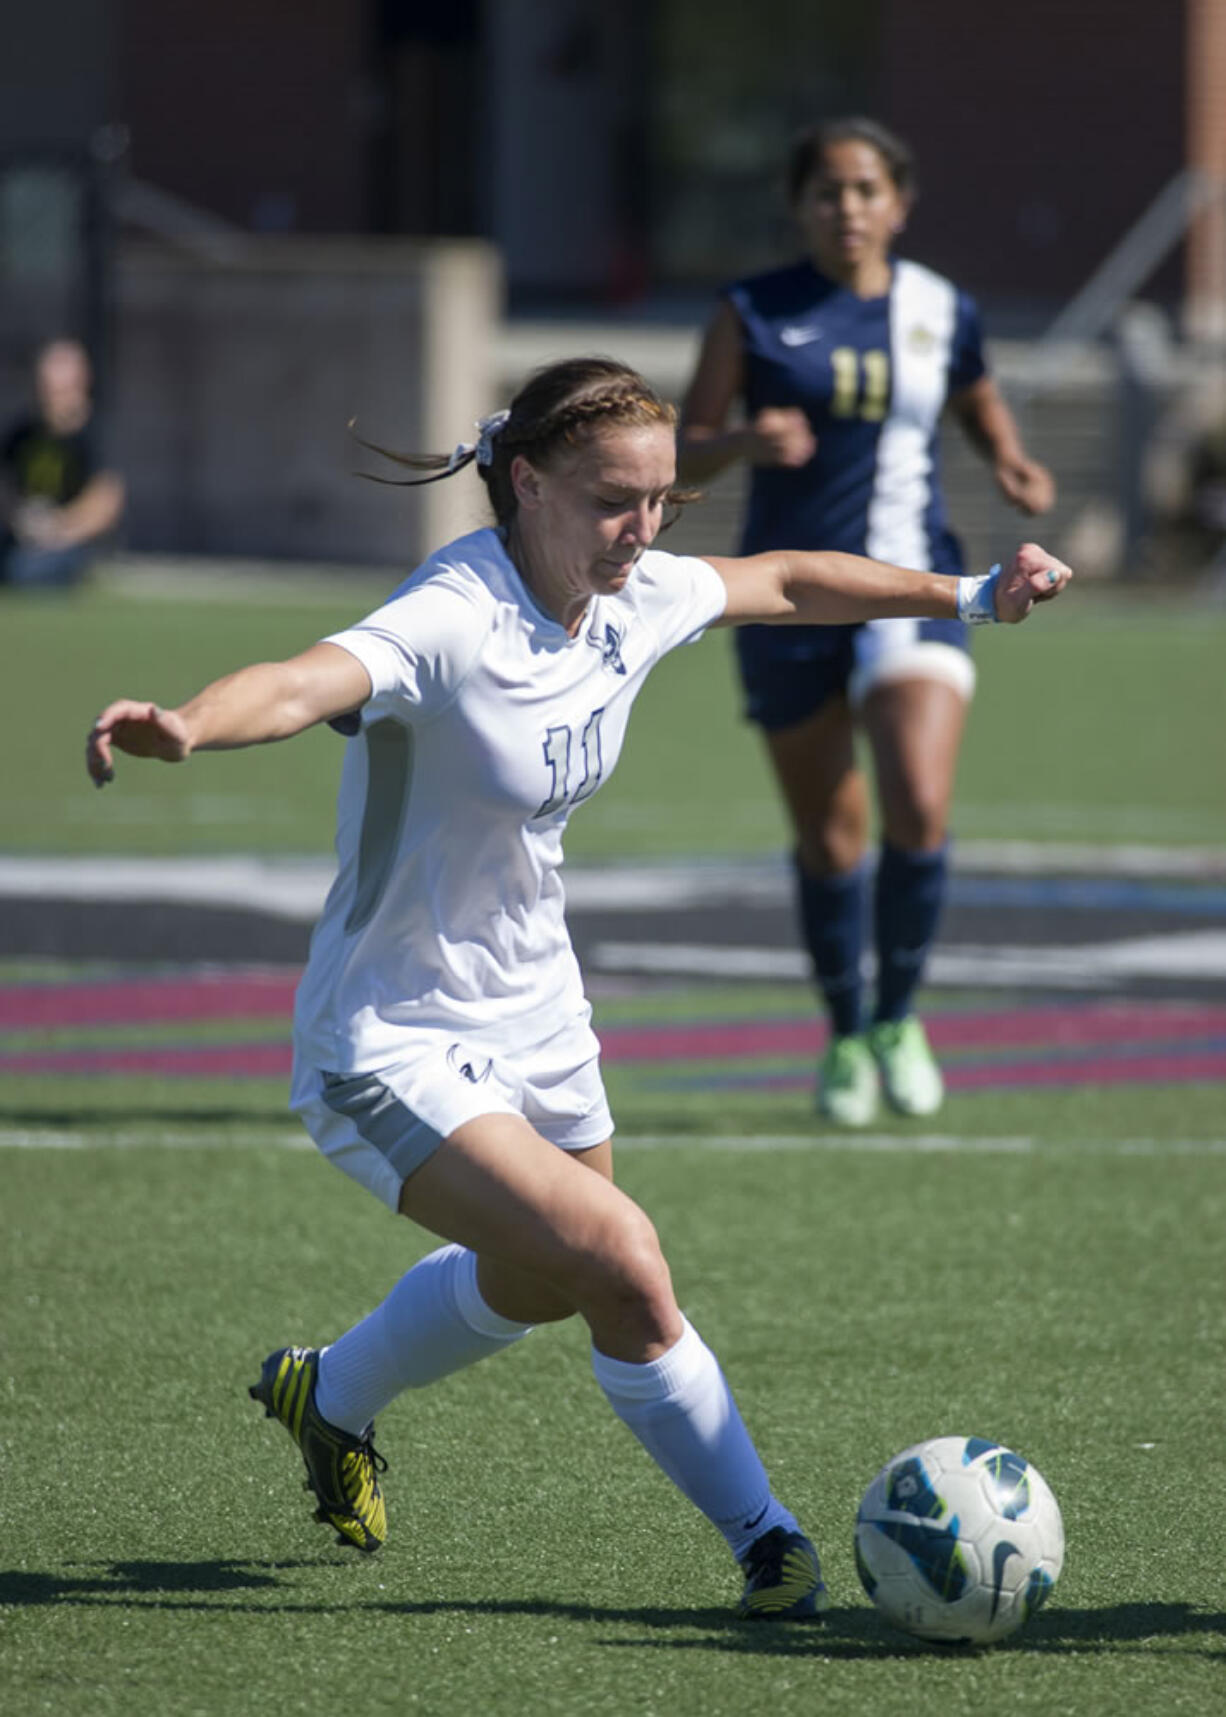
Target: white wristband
977, 598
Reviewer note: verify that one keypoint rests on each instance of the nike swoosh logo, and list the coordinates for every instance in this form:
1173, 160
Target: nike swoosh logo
1000, 1556
761, 1515
799, 336
467, 1069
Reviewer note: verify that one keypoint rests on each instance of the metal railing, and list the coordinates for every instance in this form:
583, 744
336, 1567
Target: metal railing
1093, 310
1149, 369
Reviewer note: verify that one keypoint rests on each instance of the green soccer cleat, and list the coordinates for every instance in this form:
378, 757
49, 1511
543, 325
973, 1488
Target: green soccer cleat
783, 1579
342, 1469
909, 1072
847, 1082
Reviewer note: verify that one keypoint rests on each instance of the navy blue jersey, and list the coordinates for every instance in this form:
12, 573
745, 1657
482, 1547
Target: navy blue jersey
873, 376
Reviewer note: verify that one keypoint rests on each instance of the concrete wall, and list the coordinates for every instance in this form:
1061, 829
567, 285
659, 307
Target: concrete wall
237, 376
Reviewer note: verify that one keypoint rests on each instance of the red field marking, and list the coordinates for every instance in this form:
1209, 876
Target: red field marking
1177, 1069
1010, 1028
143, 1001
259, 994
1138, 1068
209, 1061
1146, 1036
272, 1061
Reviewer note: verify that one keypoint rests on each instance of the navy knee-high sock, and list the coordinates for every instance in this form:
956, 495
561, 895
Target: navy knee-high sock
909, 893
832, 916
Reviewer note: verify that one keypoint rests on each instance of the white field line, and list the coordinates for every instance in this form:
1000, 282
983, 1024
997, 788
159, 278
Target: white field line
108, 1139
295, 887
701, 960
286, 888
919, 1144
1191, 955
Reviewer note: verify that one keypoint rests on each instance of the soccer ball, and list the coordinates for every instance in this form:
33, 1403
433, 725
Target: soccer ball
959, 1540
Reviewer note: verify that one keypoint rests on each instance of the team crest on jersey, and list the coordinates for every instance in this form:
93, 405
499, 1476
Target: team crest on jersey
610, 646
472, 1068
921, 339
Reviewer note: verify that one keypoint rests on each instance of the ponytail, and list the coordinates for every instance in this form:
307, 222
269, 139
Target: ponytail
561, 405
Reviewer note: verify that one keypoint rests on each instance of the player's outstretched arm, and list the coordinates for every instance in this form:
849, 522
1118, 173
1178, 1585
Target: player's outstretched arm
818, 589
265, 702
1031, 576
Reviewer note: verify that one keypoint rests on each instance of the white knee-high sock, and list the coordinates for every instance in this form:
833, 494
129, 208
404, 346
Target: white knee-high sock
682, 1411
433, 1322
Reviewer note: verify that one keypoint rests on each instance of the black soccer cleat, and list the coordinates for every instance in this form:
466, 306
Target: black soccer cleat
342, 1470
783, 1579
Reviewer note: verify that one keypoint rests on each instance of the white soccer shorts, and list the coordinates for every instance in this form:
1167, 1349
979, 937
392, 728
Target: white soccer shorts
378, 1127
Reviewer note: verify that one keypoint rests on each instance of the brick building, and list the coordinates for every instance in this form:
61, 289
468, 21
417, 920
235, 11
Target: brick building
617, 152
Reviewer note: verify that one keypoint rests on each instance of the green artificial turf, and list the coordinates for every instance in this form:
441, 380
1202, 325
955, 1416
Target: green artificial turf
159, 1554
1040, 1266
1091, 724
141, 1106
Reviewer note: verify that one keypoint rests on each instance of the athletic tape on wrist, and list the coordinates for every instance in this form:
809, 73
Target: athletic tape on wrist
977, 598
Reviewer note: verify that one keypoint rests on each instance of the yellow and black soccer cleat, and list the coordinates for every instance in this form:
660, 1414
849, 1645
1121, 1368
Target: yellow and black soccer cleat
783, 1579
342, 1470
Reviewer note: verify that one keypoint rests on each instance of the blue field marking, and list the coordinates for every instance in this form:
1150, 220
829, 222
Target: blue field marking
1089, 894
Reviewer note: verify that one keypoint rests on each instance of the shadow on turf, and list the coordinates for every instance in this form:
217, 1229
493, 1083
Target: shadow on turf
854, 1632
859, 1633
20, 1589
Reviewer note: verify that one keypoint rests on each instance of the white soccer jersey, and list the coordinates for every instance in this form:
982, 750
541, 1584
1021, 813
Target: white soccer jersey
486, 725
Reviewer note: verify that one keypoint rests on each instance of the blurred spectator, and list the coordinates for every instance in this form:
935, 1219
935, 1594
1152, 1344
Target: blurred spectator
56, 503
1184, 479
1208, 482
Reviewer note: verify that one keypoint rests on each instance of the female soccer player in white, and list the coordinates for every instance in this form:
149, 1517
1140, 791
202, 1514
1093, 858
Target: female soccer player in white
443, 1052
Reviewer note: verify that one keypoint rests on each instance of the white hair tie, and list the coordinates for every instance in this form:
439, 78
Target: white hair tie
483, 446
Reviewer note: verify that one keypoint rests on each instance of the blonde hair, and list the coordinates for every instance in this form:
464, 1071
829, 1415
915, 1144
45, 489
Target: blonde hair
559, 406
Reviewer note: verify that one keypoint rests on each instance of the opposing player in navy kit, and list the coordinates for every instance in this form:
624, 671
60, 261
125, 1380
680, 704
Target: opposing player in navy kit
843, 363
443, 1052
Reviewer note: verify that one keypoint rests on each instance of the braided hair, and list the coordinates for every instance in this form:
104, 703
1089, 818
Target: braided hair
560, 406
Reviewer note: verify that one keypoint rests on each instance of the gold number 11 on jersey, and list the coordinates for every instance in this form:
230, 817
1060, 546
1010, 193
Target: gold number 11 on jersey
861, 383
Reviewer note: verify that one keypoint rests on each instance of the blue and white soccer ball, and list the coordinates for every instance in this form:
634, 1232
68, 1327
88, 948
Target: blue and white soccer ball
959, 1540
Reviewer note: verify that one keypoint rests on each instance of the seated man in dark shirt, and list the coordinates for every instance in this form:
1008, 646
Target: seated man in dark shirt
55, 502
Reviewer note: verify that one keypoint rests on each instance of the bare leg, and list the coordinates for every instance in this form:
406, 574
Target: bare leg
551, 1234
451, 1310
915, 729
542, 1233
522, 1295
825, 792
532, 1214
